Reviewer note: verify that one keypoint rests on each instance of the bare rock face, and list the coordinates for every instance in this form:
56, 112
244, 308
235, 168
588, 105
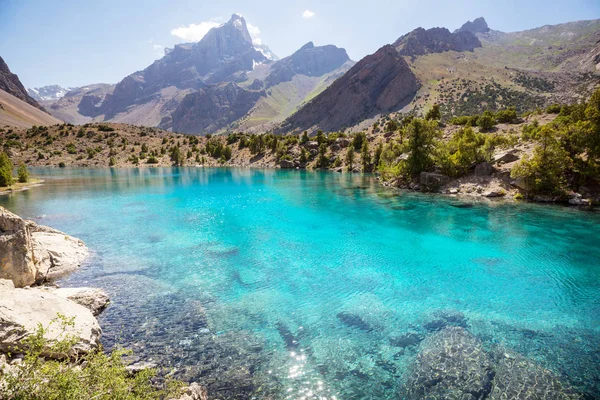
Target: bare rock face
22, 310
11, 84
478, 25
378, 83
16, 256
30, 253
451, 365
194, 392
214, 107
309, 61
435, 40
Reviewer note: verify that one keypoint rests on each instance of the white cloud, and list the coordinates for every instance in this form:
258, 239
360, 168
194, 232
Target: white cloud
254, 33
194, 32
308, 14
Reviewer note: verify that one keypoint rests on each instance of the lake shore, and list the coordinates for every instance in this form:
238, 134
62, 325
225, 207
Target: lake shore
19, 187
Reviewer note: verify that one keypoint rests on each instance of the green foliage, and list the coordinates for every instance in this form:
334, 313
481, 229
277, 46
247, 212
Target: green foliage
350, 158
553, 109
486, 121
322, 160
434, 113
105, 128
365, 157
464, 120
6, 167
71, 149
176, 156
23, 173
465, 149
96, 375
544, 172
422, 139
377, 155
304, 138
358, 140
530, 131
507, 116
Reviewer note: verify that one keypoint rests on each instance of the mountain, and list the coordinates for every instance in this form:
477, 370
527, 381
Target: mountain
225, 66
467, 71
478, 25
11, 84
16, 112
435, 40
378, 83
272, 92
48, 93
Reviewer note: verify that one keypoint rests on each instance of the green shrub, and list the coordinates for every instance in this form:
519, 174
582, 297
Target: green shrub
553, 109
105, 128
23, 173
461, 152
507, 116
486, 121
152, 160
96, 375
6, 168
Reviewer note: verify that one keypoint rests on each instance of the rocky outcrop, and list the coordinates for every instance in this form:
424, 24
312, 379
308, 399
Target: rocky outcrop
432, 181
193, 392
309, 61
435, 40
23, 310
93, 299
30, 253
11, 84
380, 82
451, 365
478, 25
213, 108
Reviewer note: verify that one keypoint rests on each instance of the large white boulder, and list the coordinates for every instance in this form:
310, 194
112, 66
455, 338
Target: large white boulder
30, 253
23, 310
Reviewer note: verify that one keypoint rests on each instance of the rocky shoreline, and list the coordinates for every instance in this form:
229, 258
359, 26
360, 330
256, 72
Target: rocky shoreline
32, 257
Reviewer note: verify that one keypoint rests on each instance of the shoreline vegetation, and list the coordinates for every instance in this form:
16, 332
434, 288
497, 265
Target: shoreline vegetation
550, 155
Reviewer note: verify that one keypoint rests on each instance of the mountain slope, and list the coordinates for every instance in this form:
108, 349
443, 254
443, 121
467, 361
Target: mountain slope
378, 83
48, 93
16, 112
11, 84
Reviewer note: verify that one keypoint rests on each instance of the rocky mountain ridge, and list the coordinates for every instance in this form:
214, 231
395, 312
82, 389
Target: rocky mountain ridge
11, 84
48, 93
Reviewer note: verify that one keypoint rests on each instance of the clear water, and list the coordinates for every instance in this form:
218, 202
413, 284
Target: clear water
237, 278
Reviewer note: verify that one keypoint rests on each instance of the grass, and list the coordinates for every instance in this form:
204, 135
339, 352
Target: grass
20, 186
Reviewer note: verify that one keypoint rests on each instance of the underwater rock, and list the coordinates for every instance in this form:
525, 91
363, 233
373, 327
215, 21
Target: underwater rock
291, 342
354, 321
519, 378
450, 365
193, 392
406, 340
444, 318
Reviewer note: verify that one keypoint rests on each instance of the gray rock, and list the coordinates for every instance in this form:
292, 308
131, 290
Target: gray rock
545, 199
16, 256
432, 181
93, 299
22, 310
450, 365
406, 340
193, 392
140, 366
577, 200
493, 193
484, 169
287, 164
506, 156
519, 378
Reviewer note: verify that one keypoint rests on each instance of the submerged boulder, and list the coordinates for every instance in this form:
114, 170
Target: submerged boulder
451, 365
23, 310
519, 378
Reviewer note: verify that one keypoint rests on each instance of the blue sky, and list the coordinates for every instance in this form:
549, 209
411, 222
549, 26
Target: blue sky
78, 42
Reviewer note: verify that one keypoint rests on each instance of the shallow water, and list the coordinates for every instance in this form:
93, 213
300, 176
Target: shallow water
292, 283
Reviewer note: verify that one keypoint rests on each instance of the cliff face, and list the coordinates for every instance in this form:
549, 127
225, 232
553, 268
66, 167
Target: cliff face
11, 84
212, 108
378, 83
308, 60
478, 25
435, 40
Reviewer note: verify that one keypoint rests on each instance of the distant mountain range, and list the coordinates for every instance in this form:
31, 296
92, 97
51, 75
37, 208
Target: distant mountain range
225, 82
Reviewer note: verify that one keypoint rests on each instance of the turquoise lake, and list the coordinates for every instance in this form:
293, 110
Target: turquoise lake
252, 281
